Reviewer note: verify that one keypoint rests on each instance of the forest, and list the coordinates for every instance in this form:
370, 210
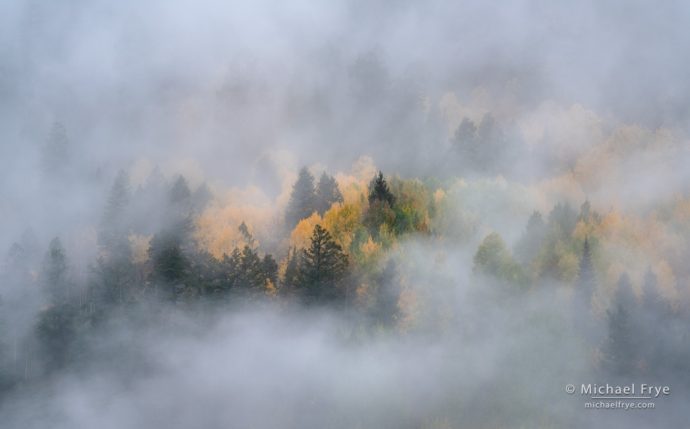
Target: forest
343, 215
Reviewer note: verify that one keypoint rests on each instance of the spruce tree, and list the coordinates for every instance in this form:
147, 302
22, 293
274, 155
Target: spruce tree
586, 282
54, 273
620, 349
379, 191
302, 200
529, 245
327, 193
322, 269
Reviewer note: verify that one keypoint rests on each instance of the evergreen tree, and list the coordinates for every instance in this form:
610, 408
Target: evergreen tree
169, 262
270, 269
527, 248
292, 272
620, 350
112, 228
586, 282
54, 273
379, 191
323, 268
302, 200
327, 193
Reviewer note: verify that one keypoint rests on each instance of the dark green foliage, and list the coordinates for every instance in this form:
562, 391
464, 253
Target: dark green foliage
269, 267
327, 193
291, 278
169, 262
322, 269
379, 191
302, 200
381, 205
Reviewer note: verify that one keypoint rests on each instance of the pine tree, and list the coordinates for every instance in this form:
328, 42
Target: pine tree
270, 269
586, 282
527, 248
292, 271
379, 191
302, 200
54, 273
322, 269
327, 193
113, 223
620, 350
169, 262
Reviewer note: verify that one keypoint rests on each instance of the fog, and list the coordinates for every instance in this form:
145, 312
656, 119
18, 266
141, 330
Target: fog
155, 231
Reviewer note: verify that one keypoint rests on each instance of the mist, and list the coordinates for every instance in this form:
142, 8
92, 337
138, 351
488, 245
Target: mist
353, 214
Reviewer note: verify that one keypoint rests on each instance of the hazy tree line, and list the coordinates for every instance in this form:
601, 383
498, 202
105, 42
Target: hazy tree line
325, 272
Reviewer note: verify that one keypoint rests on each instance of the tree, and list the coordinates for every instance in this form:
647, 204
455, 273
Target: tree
169, 262
327, 193
302, 200
586, 281
292, 272
493, 259
322, 269
527, 248
113, 228
54, 273
620, 351
379, 191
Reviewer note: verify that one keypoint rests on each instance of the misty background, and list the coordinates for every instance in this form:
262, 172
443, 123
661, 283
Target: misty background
480, 114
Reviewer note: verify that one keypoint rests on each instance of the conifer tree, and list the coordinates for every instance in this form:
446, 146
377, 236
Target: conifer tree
379, 191
586, 282
302, 200
620, 349
327, 193
322, 269
54, 273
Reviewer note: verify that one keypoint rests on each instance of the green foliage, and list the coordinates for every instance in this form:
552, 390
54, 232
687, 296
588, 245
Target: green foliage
494, 260
169, 262
379, 191
323, 268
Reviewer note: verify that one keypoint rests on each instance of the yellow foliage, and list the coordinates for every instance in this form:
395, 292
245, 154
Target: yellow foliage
271, 289
139, 244
217, 229
342, 220
301, 235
